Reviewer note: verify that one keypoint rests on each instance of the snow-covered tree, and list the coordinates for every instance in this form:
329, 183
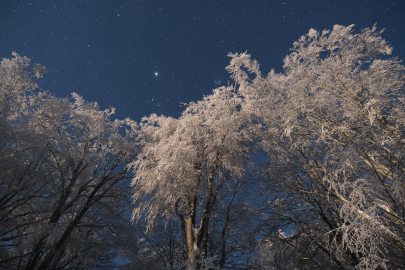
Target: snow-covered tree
187, 165
335, 123
64, 180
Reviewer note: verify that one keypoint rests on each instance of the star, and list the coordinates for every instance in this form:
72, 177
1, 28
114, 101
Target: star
156, 73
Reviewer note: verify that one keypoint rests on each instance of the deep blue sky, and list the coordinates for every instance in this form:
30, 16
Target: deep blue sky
108, 51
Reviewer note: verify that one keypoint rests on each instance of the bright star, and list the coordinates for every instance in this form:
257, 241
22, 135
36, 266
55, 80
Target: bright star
156, 73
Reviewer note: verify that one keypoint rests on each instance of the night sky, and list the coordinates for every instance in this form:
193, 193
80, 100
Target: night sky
147, 56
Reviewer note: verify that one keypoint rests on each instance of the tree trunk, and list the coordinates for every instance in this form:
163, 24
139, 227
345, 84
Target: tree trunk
191, 237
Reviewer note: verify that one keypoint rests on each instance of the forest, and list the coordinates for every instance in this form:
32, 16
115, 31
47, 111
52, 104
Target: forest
296, 170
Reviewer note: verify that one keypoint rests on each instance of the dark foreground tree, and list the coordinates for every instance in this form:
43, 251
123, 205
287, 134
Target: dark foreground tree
63, 178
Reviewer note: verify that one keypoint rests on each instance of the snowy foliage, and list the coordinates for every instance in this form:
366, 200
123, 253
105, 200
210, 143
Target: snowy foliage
187, 164
339, 112
181, 155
